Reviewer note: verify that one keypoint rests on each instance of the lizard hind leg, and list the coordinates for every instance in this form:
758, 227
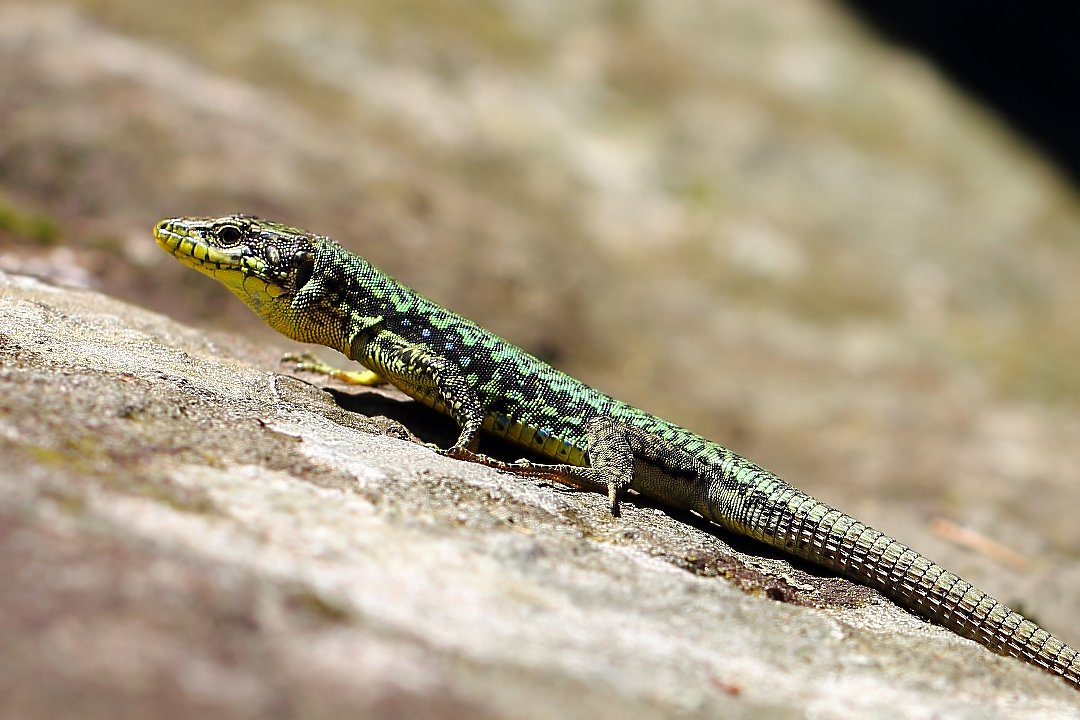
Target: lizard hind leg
622, 456
611, 459
611, 462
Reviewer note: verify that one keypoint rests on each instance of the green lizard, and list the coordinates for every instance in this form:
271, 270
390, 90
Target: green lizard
313, 290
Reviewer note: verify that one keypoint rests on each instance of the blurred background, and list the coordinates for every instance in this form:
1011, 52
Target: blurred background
841, 239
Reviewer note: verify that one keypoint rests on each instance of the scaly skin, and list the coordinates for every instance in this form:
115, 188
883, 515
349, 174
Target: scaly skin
313, 290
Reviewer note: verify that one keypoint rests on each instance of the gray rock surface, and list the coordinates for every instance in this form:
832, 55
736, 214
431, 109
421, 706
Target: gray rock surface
770, 227
185, 531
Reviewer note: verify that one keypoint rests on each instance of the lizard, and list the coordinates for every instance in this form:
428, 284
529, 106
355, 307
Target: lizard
312, 289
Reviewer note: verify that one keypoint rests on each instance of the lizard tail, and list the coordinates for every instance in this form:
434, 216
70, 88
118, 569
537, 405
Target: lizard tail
786, 518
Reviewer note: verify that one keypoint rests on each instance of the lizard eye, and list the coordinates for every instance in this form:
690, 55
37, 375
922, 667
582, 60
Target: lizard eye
305, 268
229, 235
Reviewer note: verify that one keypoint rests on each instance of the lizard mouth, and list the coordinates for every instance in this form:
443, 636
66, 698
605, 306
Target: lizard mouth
190, 248
242, 271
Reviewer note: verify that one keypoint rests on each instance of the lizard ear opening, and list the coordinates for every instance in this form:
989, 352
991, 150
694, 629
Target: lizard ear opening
305, 268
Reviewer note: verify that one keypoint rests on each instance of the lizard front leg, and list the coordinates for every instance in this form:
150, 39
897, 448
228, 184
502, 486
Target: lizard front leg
427, 377
307, 362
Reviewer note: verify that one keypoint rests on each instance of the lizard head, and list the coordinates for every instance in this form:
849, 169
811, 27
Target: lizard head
260, 261
265, 264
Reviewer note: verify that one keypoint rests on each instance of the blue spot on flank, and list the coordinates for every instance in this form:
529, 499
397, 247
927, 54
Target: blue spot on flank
451, 347
425, 333
542, 435
465, 361
502, 422
405, 322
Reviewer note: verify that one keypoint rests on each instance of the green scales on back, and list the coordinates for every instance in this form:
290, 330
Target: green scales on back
313, 290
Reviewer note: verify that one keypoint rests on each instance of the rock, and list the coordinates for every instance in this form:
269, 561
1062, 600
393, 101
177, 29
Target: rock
184, 530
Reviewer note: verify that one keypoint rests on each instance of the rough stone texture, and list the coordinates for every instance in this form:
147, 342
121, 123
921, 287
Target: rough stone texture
183, 530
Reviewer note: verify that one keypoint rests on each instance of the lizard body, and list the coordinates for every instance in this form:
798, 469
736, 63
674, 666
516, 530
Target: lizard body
312, 289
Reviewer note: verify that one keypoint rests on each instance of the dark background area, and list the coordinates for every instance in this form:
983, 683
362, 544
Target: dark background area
1020, 58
